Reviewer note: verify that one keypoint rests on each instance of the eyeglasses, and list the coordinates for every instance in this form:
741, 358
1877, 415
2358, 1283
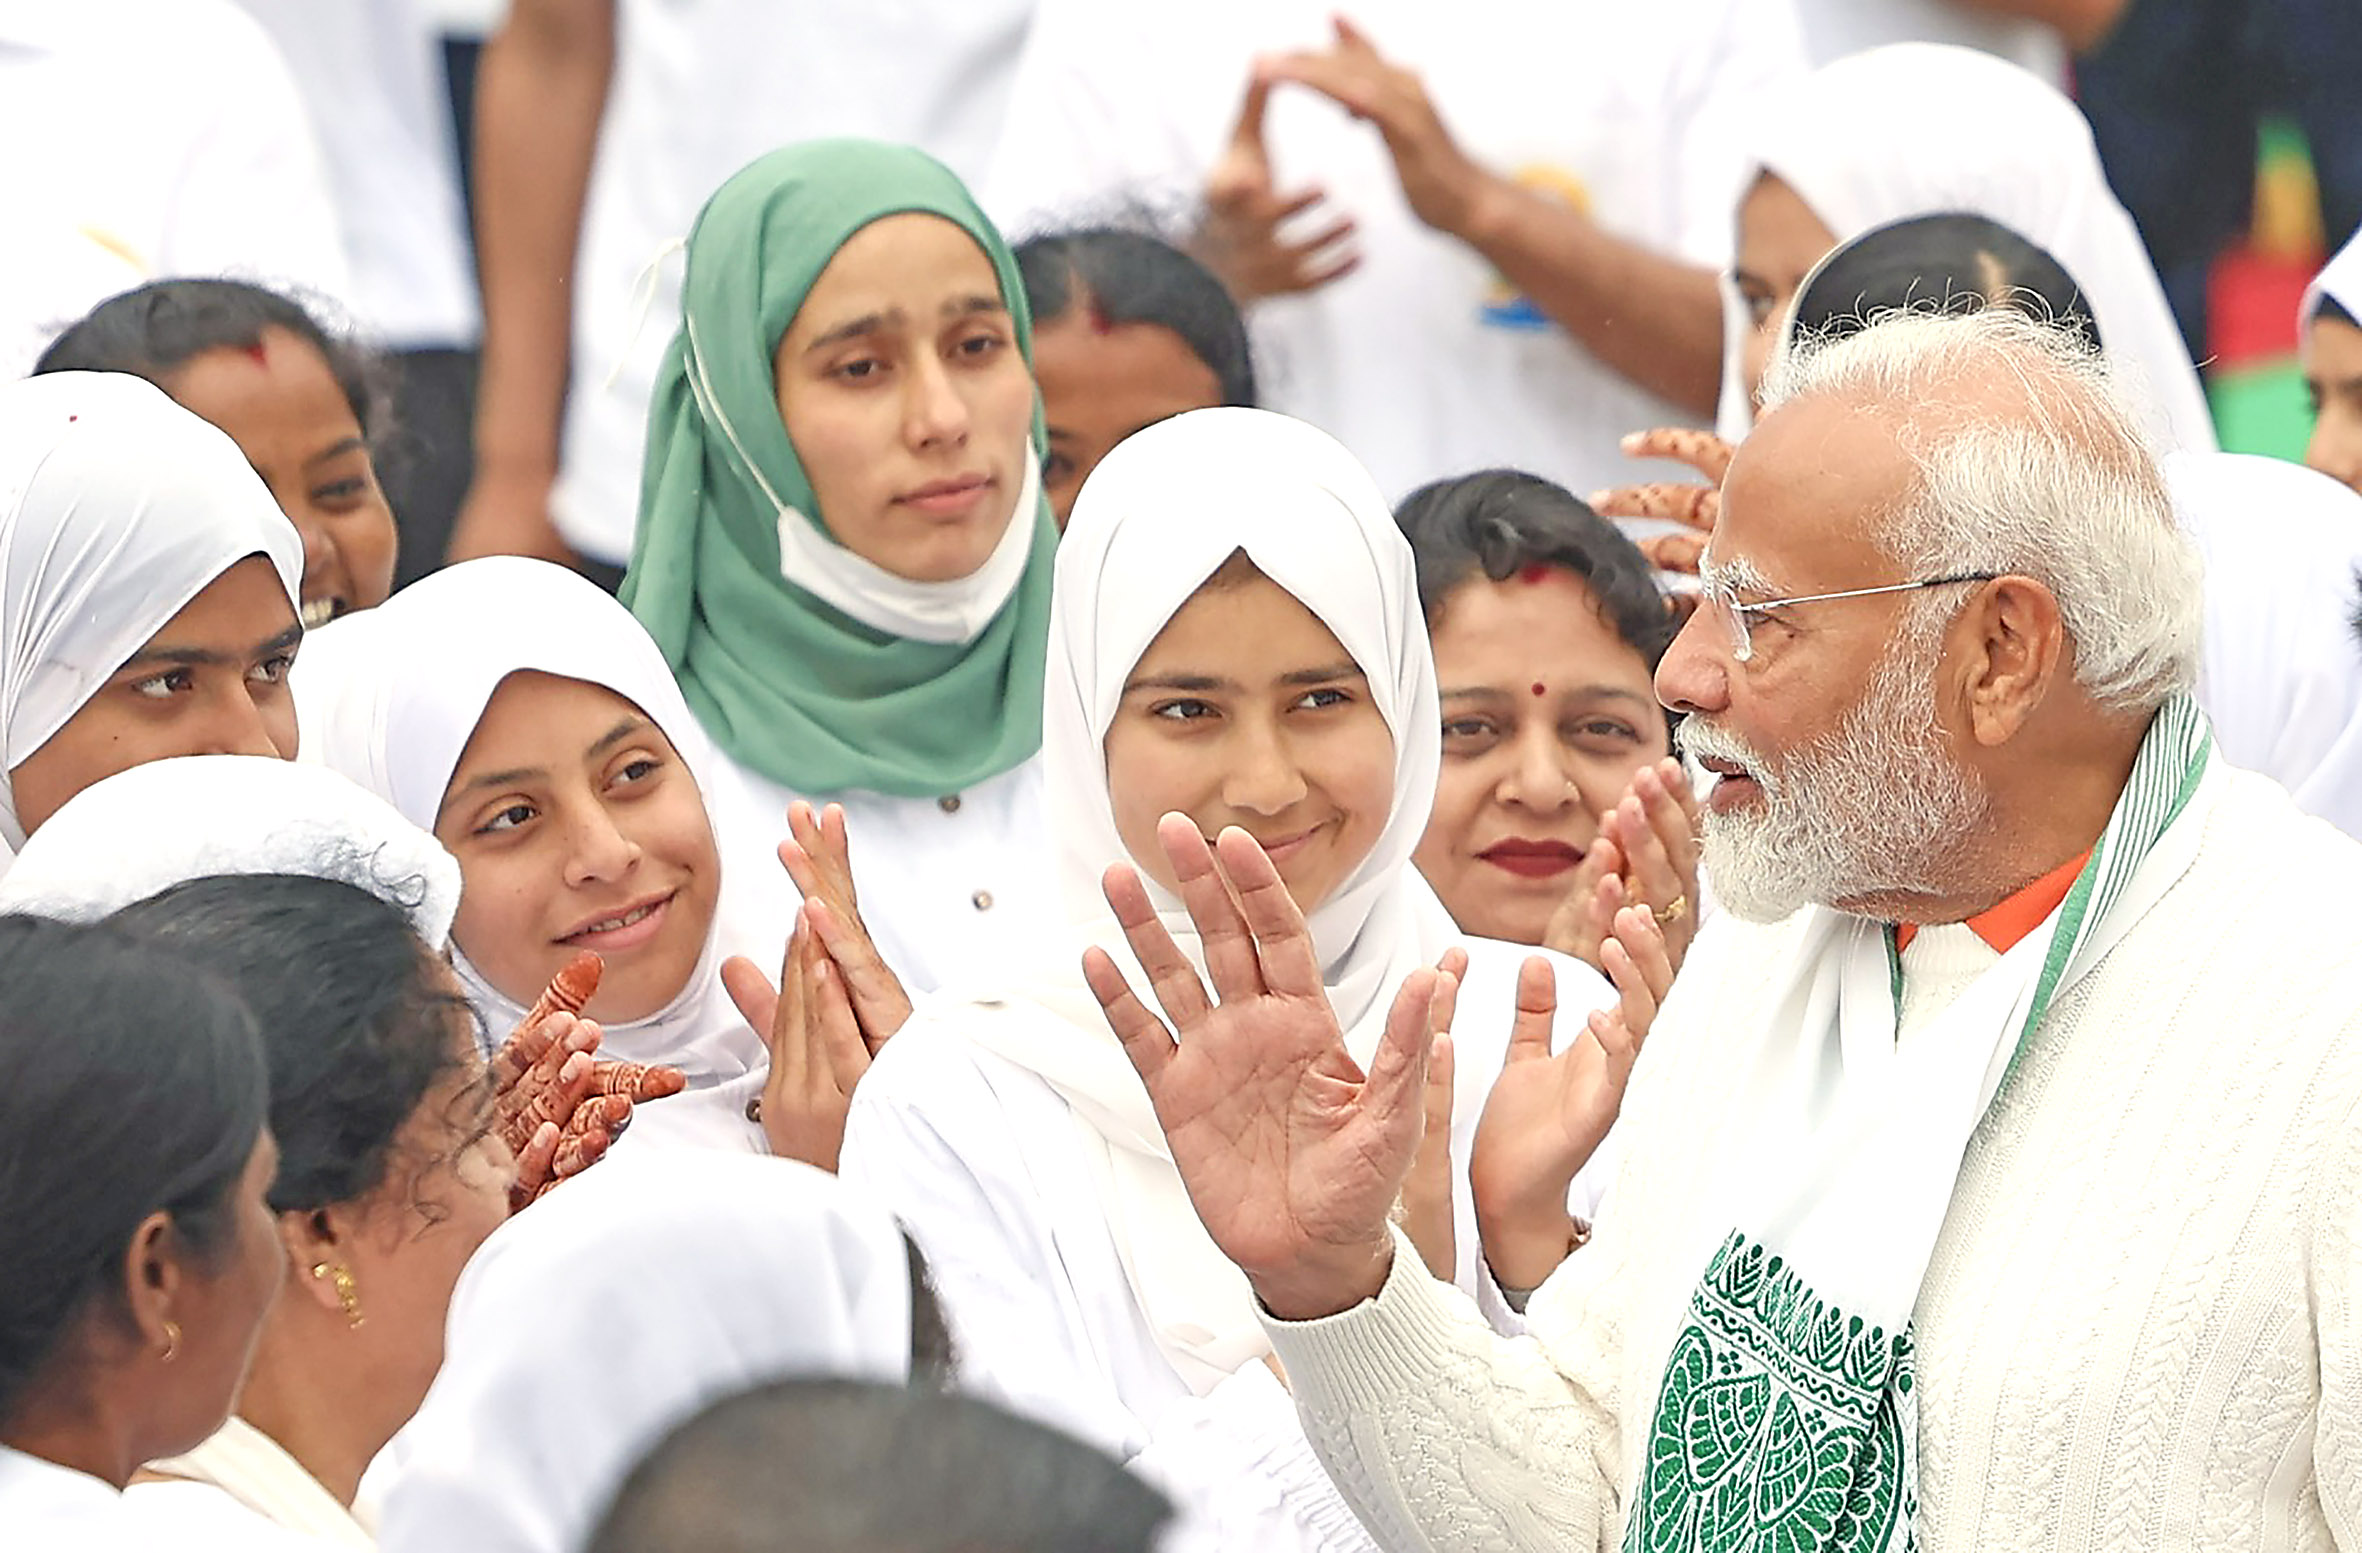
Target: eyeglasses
1739, 620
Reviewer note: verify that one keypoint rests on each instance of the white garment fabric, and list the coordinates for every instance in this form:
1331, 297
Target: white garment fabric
701, 88
1917, 129
117, 507
2141, 1325
617, 1307
2341, 279
2280, 674
1836, 28
241, 1477
371, 72
1005, 1125
390, 697
1424, 361
52, 1509
142, 831
151, 138
952, 887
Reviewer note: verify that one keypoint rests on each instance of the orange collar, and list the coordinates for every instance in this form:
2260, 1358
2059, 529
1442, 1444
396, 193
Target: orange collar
2003, 925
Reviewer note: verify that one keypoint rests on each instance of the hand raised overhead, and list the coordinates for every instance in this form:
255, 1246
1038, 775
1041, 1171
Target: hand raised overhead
1239, 236
1292, 1155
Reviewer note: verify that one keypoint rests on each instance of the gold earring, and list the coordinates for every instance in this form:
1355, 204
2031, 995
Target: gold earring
171, 1340
348, 1290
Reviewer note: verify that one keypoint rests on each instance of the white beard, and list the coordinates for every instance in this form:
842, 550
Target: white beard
1877, 806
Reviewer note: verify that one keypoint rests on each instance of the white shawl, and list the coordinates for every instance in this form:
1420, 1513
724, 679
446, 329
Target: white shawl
117, 507
619, 1306
1157, 517
142, 831
391, 696
2340, 279
2281, 673
1919, 129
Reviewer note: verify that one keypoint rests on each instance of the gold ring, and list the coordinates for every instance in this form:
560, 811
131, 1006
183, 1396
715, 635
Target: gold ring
1673, 912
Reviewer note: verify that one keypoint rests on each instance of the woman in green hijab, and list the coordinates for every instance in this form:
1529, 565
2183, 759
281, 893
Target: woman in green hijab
843, 548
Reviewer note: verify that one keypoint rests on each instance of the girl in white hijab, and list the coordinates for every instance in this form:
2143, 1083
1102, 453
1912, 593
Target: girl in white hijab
148, 587
1915, 129
740, 1271
2281, 679
2329, 343
1235, 631
417, 698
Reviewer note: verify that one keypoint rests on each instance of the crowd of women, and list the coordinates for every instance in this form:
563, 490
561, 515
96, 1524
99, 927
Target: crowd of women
460, 1035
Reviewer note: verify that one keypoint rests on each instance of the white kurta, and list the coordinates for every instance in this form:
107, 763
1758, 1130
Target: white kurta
242, 1479
2142, 1325
955, 889
1424, 361
701, 88
1836, 28
984, 1163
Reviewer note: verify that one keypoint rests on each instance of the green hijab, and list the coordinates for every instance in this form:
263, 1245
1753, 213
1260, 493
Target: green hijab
792, 686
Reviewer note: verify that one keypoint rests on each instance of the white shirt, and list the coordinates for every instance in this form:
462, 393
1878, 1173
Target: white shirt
46, 1508
1424, 361
149, 138
701, 88
372, 74
952, 888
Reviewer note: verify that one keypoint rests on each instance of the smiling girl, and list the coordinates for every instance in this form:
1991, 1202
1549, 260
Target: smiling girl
521, 715
1236, 638
843, 550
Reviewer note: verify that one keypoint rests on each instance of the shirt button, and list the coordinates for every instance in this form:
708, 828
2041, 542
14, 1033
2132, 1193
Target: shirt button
981, 900
950, 805
754, 1110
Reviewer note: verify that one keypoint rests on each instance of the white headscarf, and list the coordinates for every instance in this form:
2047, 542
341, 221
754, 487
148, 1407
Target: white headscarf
616, 1308
142, 831
2340, 280
2281, 672
117, 507
1921, 129
390, 697
1157, 517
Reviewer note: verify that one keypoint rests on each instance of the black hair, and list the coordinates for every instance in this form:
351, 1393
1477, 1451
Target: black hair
357, 1017
1128, 277
2331, 308
159, 328
135, 1085
1498, 522
797, 1464
1952, 263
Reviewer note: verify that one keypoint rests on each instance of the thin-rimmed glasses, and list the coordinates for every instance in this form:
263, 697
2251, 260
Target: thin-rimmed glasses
1739, 619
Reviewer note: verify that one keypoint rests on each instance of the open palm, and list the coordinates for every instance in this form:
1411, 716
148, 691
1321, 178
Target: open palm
1291, 1154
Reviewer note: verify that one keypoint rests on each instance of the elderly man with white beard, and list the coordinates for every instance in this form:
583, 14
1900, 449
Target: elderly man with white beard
1993, 1176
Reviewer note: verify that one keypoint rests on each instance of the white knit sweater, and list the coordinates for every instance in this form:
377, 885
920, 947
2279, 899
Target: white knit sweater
2140, 1329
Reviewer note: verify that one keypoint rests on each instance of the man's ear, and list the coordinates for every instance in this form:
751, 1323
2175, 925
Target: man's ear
2013, 646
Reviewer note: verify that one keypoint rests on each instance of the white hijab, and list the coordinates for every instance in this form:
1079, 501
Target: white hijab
117, 507
1157, 517
2281, 674
2340, 280
617, 1307
1920, 129
390, 697
142, 831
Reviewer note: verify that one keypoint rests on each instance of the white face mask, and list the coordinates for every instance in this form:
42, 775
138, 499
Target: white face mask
946, 612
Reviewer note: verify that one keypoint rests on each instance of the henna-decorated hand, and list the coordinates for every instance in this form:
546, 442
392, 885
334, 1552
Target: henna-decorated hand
1696, 507
557, 1106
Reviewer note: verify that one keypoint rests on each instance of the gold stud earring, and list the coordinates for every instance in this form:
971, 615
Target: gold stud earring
348, 1290
171, 1341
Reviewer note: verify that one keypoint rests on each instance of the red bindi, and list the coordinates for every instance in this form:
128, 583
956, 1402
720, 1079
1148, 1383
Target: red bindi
1534, 573
1098, 318
254, 352
1541, 689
